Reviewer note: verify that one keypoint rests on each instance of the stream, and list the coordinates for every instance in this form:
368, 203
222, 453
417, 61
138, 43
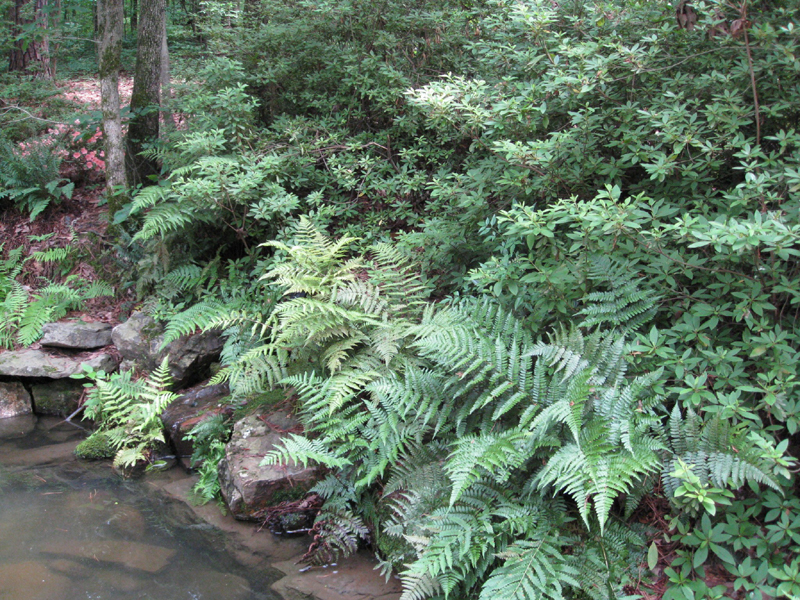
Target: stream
72, 529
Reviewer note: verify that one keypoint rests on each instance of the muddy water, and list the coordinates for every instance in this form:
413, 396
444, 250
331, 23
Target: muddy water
71, 530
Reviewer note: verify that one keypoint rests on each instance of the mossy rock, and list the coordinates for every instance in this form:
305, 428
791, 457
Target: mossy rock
96, 447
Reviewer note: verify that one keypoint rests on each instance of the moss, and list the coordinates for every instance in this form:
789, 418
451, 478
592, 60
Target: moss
96, 447
289, 494
257, 402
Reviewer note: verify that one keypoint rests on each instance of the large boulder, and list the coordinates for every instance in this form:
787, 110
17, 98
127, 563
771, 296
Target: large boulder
140, 339
76, 335
14, 400
32, 362
249, 488
59, 398
191, 409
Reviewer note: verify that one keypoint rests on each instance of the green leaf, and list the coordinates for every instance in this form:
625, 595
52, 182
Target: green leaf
652, 556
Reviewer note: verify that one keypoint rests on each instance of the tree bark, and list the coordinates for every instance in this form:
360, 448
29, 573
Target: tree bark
29, 51
134, 16
111, 22
166, 114
146, 97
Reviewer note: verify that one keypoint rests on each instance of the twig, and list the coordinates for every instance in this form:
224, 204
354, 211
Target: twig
743, 17
77, 410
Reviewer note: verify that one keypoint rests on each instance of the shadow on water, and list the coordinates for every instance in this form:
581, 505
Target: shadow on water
71, 530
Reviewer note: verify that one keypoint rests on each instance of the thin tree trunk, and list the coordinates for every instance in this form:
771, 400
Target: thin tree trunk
55, 27
134, 16
27, 52
145, 99
111, 22
166, 114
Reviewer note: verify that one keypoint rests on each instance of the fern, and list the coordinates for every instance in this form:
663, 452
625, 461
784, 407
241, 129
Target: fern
716, 451
130, 411
532, 569
22, 313
624, 305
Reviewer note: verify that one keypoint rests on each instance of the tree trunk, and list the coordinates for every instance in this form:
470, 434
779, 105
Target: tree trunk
166, 114
146, 96
134, 16
29, 51
111, 22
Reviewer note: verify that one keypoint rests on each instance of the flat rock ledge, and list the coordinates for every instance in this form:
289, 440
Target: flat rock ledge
39, 363
247, 486
76, 335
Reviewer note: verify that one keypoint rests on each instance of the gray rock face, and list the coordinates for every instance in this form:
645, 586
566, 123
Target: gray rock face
140, 339
14, 400
58, 398
189, 410
76, 335
39, 363
249, 488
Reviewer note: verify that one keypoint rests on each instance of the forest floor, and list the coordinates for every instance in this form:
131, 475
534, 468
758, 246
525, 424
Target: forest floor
79, 222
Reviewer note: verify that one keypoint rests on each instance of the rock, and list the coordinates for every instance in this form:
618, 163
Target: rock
140, 338
76, 335
70, 568
215, 584
58, 398
32, 581
119, 582
132, 555
14, 428
189, 410
354, 578
249, 488
38, 363
14, 400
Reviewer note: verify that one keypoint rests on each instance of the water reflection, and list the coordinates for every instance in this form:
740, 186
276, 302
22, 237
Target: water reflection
72, 530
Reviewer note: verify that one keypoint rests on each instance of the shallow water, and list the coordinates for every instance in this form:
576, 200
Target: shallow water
71, 530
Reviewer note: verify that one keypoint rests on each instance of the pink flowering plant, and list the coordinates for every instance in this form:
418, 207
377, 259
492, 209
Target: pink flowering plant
43, 169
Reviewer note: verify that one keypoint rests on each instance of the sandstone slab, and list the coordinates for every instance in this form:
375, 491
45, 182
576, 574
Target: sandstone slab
14, 400
32, 581
132, 555
76, 335
354, 578
140, 339
247, 486
39, 363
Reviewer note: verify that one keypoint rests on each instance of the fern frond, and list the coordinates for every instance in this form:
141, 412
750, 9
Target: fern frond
532, 569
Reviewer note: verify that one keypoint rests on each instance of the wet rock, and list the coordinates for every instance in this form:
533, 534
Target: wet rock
189, 410
140, 338
249, 488
14, 400
17, 427
119, 582
215, 584
131, 555
76, 335
352, 579
39, 363
70, 568
32, 581
58, 398
126, 522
